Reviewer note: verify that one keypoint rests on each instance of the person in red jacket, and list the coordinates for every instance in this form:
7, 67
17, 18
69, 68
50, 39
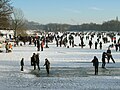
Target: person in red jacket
42, 45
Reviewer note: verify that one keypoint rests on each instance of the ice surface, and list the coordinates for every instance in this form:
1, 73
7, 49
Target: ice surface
71, 69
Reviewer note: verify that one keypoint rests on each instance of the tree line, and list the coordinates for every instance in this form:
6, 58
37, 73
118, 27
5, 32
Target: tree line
112, 25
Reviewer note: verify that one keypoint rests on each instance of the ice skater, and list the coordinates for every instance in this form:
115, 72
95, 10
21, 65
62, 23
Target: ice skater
47, 64
38, 45
37, 61
95, 64
33, 61
100, 45
109, 55
104, 55
22, 64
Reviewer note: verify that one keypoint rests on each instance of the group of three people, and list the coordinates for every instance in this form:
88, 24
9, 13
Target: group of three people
35, 62
105, 55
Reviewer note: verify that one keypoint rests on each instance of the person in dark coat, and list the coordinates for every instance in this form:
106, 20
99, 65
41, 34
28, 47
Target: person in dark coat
96, 45
109, 55
60, 42
47, 64
22, 64
35, 42
100, 45
33, 61
56, 39
90, 44
104, 55
116, 47
82, 43
95, 64
37, 60
38, 45
70, 39
47, 40
119, 46
73, 43
7, 47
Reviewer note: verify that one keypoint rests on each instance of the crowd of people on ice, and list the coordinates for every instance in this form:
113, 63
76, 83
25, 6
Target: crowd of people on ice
67, 40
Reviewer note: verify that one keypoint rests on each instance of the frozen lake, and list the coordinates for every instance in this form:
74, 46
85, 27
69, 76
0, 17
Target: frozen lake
71, 69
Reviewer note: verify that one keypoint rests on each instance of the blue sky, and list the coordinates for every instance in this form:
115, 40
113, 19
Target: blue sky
68, 11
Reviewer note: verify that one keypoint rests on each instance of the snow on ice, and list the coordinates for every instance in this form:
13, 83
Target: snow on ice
71, 69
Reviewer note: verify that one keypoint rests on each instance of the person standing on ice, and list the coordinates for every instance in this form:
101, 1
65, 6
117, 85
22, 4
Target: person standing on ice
100, 45
22, 64
109, 55
38, 45
42, 45
104, 55
96, 45
47, 64
7, 47
82, 42
90, 43
116, 47
70, 39
95, 64
33, 61
37, 60
56, 39
46, 41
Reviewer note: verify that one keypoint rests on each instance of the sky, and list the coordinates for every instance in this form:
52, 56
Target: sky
68, 11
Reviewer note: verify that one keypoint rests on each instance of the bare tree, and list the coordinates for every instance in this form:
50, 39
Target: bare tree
18, 23
5, 12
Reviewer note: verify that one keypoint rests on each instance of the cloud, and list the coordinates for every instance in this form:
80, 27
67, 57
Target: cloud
95, 8
73, 11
